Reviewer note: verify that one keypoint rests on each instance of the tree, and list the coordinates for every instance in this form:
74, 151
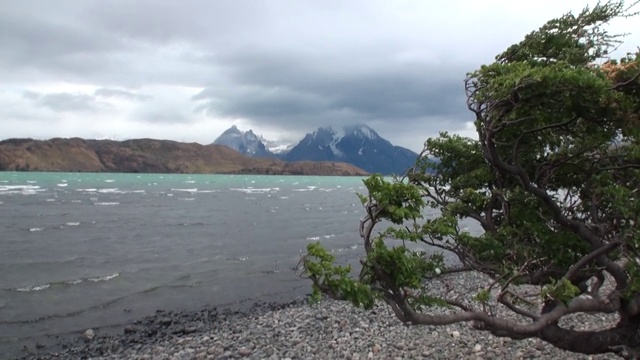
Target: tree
553, 179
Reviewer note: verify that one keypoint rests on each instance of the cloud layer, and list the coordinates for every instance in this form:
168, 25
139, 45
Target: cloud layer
188, 70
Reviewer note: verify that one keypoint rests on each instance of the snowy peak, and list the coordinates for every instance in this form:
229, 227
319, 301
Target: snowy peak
362, 131
246, 143
276, 146
359, 145
232, 131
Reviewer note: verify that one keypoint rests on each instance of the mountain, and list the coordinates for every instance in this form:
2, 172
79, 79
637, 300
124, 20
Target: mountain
246, 143
358, 145
276, 147
149, 156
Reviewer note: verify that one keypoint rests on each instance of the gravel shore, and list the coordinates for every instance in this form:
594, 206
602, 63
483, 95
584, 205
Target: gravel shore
297, 330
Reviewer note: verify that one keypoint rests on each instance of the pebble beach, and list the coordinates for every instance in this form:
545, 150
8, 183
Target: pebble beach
298, 330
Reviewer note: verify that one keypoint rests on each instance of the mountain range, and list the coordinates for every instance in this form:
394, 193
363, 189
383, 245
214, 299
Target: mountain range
150, 156
358, 145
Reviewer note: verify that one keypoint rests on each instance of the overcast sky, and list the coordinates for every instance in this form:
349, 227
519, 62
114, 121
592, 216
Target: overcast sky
187, 70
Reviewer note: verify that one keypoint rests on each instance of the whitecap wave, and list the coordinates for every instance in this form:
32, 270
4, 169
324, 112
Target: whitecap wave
250, 190
186, 190
104, 278
109, 181
32, 288
239, 258
20, 189
108, 190
106, 203
314, 238
65, 283
72, 223
35, 229
62, 184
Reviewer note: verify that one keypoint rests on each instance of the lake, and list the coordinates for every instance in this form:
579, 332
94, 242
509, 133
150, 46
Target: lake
92, 250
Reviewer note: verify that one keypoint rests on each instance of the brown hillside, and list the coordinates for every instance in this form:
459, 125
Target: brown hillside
148, 156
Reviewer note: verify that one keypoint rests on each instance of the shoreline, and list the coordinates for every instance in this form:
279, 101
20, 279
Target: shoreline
37, 347
296, 329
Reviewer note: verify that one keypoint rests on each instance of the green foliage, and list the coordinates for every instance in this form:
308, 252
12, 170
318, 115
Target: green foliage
552, 177
327, 277
483, 296
398, 201
562, 290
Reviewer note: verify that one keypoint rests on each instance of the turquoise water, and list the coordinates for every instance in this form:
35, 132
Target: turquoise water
85, 250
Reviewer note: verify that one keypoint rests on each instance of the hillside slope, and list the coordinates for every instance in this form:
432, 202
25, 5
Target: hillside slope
148, 156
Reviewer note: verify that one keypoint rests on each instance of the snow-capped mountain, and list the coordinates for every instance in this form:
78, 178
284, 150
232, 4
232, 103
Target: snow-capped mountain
246, 143
359, 145
277, 147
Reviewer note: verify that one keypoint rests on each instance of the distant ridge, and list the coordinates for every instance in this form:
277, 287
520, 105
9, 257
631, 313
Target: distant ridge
246, 143
358, 145
149, 156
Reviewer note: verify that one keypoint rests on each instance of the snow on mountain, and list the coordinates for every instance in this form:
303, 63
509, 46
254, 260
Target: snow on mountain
246, 143
277, 147
359, 145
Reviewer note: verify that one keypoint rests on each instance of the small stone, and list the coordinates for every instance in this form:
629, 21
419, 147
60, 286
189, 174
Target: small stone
477, 348
130, 329
244, 352
376, 348
89, 334
455, 334
165, 321
370, 355
399, 346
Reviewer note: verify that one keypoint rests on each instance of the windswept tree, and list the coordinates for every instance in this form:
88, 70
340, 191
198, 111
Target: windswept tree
553, 180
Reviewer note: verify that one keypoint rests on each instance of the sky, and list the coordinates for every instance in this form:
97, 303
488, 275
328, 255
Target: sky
187, 70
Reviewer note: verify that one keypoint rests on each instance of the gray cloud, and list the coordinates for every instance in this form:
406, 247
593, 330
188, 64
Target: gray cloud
121, 94
287, 65
64, 102
289, 91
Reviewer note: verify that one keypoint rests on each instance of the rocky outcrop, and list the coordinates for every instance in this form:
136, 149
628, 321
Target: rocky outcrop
148, 156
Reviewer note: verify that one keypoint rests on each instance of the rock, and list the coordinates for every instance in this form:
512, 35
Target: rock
477, 348
178, 330
89, 335
455, 334
130, 329
165, 321
244, 352
376, 348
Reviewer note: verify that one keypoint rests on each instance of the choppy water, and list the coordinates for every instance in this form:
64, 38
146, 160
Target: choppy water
93, 250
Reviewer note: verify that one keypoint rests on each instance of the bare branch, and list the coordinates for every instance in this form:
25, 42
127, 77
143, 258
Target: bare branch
504, 301
590, 257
